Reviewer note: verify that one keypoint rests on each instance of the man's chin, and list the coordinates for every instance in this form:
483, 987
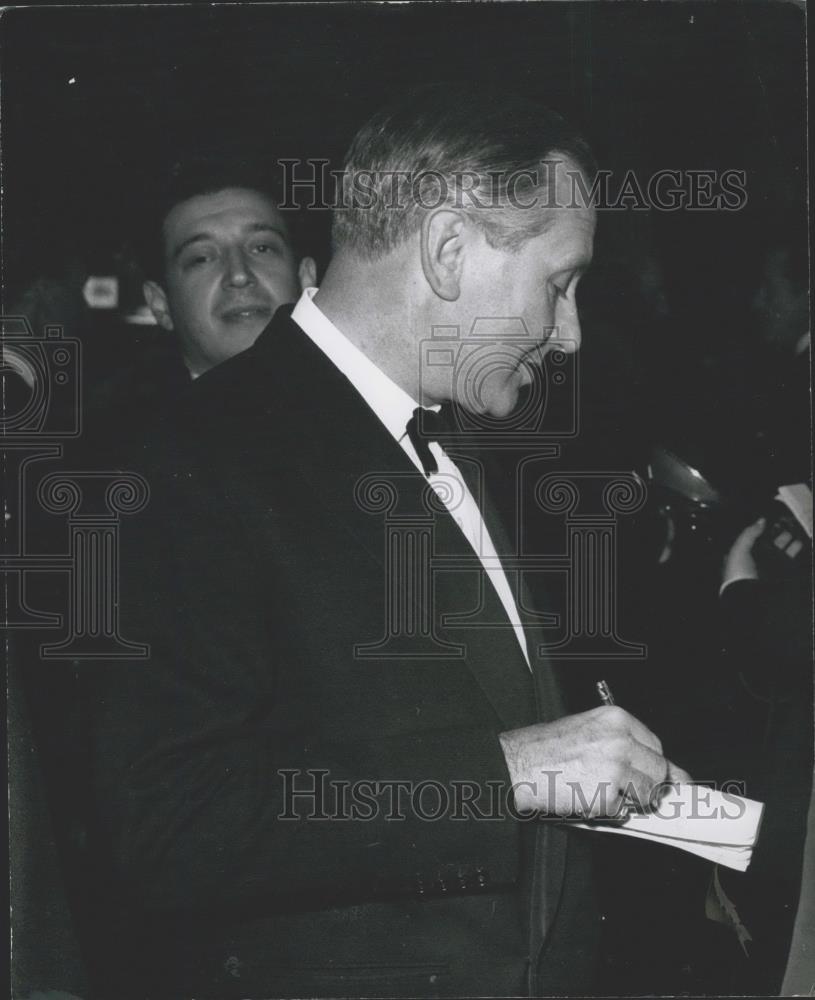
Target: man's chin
238, 336
499, 405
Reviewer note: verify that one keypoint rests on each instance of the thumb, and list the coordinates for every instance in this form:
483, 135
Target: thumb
677, 775
758, 526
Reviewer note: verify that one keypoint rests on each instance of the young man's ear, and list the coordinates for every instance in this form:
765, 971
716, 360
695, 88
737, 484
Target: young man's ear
157, 304
442, 246
307, 273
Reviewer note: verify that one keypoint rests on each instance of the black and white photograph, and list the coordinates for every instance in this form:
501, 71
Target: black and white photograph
407, 541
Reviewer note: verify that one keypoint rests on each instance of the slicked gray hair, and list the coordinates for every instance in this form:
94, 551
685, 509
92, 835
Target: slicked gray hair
491, 153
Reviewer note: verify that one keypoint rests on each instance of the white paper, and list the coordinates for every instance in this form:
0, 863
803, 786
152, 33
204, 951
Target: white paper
720, 826
797, 497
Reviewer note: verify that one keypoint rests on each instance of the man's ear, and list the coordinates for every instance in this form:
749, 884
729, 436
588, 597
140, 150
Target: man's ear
157, 304
307, 273
442, 245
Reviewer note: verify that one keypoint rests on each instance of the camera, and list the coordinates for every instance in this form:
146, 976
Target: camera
548, 407
42, 382
704, 519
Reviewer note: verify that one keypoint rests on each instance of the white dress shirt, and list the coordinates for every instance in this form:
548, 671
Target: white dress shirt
394, 408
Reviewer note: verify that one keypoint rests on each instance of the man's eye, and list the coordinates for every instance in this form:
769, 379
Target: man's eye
196, 260
265, 248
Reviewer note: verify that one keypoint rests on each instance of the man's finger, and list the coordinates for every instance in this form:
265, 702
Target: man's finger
642, 734
677, 775
643, 776
621, 719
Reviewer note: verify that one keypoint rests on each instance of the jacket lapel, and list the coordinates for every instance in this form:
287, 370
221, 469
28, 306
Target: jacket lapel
359, 475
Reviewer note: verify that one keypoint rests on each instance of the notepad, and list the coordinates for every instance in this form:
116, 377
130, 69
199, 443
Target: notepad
797, 497
719, 826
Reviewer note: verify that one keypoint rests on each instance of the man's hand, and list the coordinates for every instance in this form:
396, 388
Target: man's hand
739, 563
588, 765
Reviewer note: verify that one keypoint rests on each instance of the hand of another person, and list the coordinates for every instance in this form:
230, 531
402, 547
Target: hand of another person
739, 563
592, 764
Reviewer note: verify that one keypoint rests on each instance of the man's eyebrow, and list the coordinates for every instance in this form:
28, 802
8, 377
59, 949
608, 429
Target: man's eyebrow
252, 227
195, 238
266, 227
576, 265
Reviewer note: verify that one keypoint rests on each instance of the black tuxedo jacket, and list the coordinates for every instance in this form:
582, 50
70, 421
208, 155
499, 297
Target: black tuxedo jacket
274, 577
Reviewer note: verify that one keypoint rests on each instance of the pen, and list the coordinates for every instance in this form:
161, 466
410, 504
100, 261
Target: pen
607, 698
604, 691
626, 807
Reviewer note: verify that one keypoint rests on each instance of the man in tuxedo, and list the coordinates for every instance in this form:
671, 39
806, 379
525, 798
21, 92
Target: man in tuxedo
343, 767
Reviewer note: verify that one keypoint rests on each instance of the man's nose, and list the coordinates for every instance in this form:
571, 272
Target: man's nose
237, 268
567, 336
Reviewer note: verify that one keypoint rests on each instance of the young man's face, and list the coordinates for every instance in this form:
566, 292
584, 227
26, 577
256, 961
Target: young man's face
228, 265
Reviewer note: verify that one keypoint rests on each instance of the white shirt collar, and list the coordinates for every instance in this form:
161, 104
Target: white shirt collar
390, 402
395, 407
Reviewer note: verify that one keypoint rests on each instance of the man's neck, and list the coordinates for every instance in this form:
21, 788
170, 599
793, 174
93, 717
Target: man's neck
369, 304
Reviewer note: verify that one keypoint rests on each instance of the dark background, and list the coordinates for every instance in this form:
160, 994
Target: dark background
675, 85
672, 347
668, 305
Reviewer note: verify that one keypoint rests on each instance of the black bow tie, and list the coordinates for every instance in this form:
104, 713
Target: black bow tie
425, 426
